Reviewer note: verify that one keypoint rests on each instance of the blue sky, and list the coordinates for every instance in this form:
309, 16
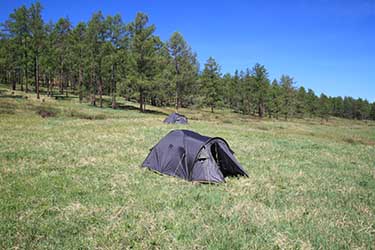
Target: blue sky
326, 45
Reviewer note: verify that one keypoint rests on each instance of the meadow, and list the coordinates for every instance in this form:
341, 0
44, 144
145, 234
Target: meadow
70, 178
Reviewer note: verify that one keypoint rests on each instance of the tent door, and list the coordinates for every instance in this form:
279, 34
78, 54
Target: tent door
223, 161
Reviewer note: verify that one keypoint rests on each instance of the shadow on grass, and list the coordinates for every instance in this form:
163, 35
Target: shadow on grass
12, 96
63, 97
147, 111
362, 141
82, 115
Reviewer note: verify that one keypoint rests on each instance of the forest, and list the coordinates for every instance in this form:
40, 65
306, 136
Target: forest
108, 57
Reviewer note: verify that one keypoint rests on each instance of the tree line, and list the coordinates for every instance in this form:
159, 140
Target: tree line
106, 56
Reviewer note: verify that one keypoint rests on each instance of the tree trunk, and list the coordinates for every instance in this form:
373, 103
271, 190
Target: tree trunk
67, 86
177, 82
176, 99
261, 110
61, 82
14, 81
74, 83
9, 77
100, 83
19, 77
26, 81
25, 69
100, 91
80, 84
248, 106
45, 82
93, 97
49, 85
141, 100
94, 85
3, 77
153, 101
21, 81
37, 77
113, 87
212, 109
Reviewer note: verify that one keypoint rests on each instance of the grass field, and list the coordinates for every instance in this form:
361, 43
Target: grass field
72, 181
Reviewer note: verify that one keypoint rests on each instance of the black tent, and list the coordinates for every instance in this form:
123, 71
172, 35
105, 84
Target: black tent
176, 118
193, 157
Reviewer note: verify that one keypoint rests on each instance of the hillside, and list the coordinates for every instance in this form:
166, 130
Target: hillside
71, 179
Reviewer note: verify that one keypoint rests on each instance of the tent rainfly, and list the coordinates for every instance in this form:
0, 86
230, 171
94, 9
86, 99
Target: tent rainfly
176, 118
193, 157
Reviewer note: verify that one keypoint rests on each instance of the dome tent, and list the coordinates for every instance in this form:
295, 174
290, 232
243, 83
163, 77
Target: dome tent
193, 157
176, 118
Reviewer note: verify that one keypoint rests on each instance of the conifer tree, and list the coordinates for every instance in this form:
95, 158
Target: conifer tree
372, 111
274, 100
117, 55
261, 88
61, 35
49, 60
78, 46
211, 84
301, 102
18, 35
95, 38
184, 65
143, 53
323, 108
288, 96
37, 34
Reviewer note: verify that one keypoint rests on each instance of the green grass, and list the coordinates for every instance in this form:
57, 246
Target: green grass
73, 181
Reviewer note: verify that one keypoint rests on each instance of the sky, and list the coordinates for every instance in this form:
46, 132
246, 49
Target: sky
325, 45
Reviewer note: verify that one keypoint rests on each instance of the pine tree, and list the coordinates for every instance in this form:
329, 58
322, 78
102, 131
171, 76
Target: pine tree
274, 100
301, 98
163, 88
61, 35
247, 93
184, 65
116, 51
323, 108
311, 103
49, 57
236, 92
261, 87
349, 107
227, 89
95, 38
78, 46
6, 57
211, 84
3, 57
18, 45
37, 39
337, 106
372, 112
288, 96
363, 109
143, 53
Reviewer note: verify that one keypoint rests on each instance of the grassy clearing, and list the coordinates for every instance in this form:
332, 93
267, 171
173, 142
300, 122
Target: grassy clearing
72, 180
